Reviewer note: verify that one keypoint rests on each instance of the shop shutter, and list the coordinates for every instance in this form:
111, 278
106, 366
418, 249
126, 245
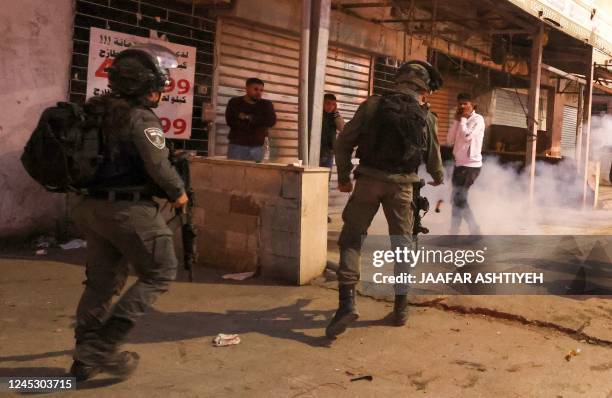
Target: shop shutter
347, 76
511, 109
568, 131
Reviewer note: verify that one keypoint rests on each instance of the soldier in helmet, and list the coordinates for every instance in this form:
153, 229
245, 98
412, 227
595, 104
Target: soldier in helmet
393, 134
118, 216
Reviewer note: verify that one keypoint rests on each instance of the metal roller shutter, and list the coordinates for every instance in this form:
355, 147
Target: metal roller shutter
568, 131
245, 52
511, 109
440, 103
347, 76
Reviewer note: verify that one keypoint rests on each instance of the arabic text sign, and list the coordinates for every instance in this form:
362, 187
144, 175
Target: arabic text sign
176, 106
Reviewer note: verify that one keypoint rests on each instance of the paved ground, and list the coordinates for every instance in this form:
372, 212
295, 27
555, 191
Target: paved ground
441, 353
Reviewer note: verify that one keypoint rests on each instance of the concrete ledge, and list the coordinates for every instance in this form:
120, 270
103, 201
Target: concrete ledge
263, 165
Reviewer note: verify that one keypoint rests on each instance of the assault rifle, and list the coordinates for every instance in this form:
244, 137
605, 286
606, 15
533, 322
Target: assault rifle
419, 203
189, 232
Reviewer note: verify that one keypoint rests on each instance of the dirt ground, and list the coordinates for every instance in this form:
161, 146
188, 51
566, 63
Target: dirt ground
283, 353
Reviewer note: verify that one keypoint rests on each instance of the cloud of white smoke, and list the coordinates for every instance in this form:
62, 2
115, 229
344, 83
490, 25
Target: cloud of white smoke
499, 198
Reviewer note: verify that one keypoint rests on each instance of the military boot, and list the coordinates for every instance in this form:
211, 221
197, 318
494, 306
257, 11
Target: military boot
99, 352
400, 310
79, 369
346, 313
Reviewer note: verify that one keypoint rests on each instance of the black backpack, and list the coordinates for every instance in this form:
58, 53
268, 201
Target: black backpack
397, 138
64, 152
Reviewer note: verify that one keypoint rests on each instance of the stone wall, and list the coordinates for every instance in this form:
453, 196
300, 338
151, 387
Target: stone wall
267, 216
35, 53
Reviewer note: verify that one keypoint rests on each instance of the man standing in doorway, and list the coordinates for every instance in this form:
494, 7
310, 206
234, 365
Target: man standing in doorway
333, 123
465, 135
249, 118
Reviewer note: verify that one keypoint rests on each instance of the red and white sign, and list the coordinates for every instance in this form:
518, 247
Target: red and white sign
176, 106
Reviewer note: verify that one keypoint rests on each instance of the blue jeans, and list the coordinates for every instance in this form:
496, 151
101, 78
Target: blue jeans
241, 152
327, 160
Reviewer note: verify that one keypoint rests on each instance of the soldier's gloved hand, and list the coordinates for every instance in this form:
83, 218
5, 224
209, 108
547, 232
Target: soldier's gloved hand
435, 183
181, 201
345, 187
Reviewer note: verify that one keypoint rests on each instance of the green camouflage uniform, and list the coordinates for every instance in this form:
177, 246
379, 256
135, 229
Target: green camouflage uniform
374, 187
123, 230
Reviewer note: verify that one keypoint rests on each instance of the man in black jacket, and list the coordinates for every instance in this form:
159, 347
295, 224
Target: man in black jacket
249, 118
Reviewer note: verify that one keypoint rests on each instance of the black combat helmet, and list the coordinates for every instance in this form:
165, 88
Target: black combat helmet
141, 69
420, 73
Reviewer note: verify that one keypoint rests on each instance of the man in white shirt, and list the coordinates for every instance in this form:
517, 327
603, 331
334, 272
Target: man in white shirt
465, 135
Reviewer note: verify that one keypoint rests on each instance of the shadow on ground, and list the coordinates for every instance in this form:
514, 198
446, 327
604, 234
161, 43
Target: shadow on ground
288, 322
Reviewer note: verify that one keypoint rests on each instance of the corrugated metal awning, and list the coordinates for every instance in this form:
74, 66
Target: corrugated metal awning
585, 22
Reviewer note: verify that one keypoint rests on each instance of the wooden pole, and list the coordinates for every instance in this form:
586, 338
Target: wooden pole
596, 184
586, 120
579, 117
303, 90
318, 61
533, 106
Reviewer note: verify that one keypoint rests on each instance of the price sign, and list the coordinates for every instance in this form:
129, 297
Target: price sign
176, 105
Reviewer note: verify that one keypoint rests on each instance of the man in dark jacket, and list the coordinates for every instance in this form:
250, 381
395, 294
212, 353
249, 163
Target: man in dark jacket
333, 123
249, 118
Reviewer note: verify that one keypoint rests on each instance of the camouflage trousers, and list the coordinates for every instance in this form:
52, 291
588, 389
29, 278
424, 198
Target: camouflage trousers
369, 194
118, 233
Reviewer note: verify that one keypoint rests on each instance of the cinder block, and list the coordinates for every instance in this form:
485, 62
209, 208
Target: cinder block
253, 242
210, 238
275, 266
228, 177
215, 223
231, 222
264, 181
241, 261
268, 213
244, 204
235, 241
291, 185
286, 219
280, 243
280, 218
199, 216
213, 200
201, 174
210, 251
288, 203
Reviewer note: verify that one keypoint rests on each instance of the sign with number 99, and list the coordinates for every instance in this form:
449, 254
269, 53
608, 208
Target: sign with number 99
178, 125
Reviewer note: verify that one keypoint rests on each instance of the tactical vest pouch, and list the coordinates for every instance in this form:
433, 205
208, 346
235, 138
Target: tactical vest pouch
398, 135
64, 152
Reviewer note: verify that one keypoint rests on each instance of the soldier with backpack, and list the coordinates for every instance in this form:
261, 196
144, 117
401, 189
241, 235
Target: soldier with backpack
118, 216
113, 152
394, 134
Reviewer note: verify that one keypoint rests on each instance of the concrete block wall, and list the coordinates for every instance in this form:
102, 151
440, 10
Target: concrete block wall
267, 216
35, 52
